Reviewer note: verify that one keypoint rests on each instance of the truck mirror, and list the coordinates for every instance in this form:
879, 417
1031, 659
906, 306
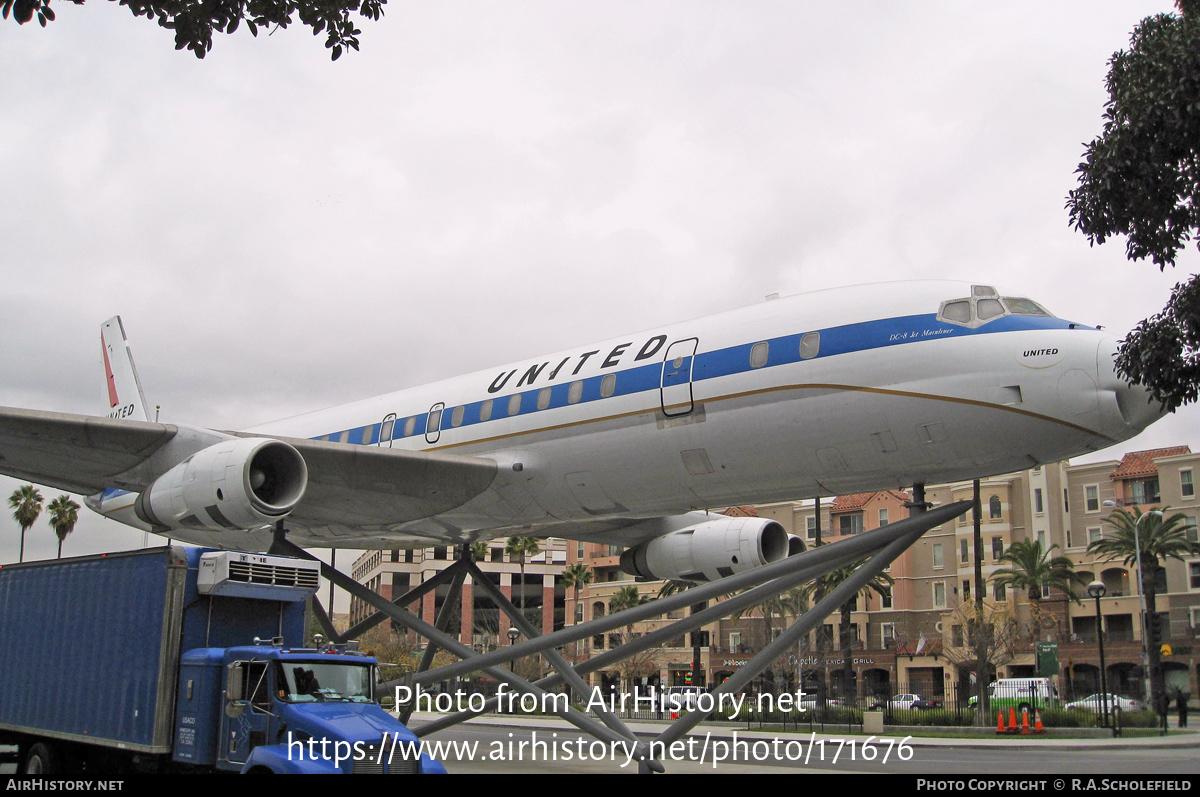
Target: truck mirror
234, 687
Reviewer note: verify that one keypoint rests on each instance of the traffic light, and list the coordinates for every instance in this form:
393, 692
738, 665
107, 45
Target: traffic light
1154, 622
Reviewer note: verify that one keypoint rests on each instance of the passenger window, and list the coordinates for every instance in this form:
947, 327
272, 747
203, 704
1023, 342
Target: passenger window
608, 385
344, 437
410, 426
435, 421
575, 392
759, 353
456, 417
543, 400
385, 431
366, 435
485, 411
810, 344
514, 404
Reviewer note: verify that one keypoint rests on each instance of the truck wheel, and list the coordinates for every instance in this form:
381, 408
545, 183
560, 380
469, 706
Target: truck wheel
41, 760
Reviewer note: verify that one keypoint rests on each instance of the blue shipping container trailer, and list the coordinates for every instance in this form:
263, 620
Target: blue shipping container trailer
183, 659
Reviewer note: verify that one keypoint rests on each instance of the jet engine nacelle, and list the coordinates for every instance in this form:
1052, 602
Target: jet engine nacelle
242, 483
709, 550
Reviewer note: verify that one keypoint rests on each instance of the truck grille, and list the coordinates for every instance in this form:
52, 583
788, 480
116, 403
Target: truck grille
276, 575
400, 764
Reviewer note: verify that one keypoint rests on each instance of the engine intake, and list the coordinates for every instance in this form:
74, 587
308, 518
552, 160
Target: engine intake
708, 551
243, 483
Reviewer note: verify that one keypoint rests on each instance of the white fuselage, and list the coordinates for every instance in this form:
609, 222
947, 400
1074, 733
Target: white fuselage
834, 392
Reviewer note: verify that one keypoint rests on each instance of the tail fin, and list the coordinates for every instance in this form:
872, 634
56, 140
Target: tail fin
125, 396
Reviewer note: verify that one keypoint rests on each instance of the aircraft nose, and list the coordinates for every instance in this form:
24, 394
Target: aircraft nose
1138, 407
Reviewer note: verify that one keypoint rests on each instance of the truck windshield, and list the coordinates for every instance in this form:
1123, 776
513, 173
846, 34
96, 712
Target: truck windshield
309, 681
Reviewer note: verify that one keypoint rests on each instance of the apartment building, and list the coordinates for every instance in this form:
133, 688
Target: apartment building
915, 633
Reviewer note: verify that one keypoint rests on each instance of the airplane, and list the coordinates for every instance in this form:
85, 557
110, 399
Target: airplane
630, 441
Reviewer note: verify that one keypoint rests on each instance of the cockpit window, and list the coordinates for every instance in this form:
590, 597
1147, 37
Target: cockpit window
989, 308
1020, 306
958, 312
984, 305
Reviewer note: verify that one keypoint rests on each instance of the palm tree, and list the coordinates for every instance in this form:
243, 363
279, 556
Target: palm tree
1156, 536
1037, 571
520, 547
64, 513
27, 502
826, 583
575, 577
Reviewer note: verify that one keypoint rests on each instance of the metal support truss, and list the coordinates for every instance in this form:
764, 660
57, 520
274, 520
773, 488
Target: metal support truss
879, 547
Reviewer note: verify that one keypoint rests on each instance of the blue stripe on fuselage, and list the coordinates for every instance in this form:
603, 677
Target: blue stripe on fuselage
783, 350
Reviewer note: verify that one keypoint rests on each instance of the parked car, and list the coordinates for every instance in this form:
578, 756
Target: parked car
810, 702
908, 701
679, 698
1095, 703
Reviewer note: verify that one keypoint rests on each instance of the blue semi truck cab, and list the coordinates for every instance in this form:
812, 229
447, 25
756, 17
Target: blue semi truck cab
183, 659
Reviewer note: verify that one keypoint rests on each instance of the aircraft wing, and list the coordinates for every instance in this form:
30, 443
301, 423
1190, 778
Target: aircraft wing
370, 486
351, 485
78, 453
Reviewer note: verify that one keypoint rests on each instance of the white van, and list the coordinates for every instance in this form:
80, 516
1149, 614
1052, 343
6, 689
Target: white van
1022, 693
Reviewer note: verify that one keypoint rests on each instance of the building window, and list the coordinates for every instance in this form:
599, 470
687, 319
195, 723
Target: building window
1186, 488
578, 613
995, 508
735, 641
1091, 498
810, 524
1189, 529
1194, 576
1041, 538
1144, 491
956, 636
887, 634
964, 551
1000, 592
883, 517
1094, 533
851, 524
1037, 501
966, 590
997, 547
1066, 501
938, 562
885, 600
939, 594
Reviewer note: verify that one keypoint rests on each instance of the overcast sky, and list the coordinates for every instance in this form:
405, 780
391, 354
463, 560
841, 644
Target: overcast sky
485, 181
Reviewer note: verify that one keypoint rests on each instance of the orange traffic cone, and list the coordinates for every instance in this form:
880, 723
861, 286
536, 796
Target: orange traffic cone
1038, 727
1012, 720
1025, 729
1000, 722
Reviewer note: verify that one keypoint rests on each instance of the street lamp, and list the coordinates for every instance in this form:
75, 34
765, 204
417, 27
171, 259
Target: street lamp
1096, 590
513, 633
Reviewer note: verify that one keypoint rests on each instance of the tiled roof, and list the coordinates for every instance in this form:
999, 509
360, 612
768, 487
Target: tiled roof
741, 511
1141, 463
845, 503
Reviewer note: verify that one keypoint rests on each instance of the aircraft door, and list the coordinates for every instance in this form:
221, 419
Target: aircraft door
677, 377
387, 430
433, 423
